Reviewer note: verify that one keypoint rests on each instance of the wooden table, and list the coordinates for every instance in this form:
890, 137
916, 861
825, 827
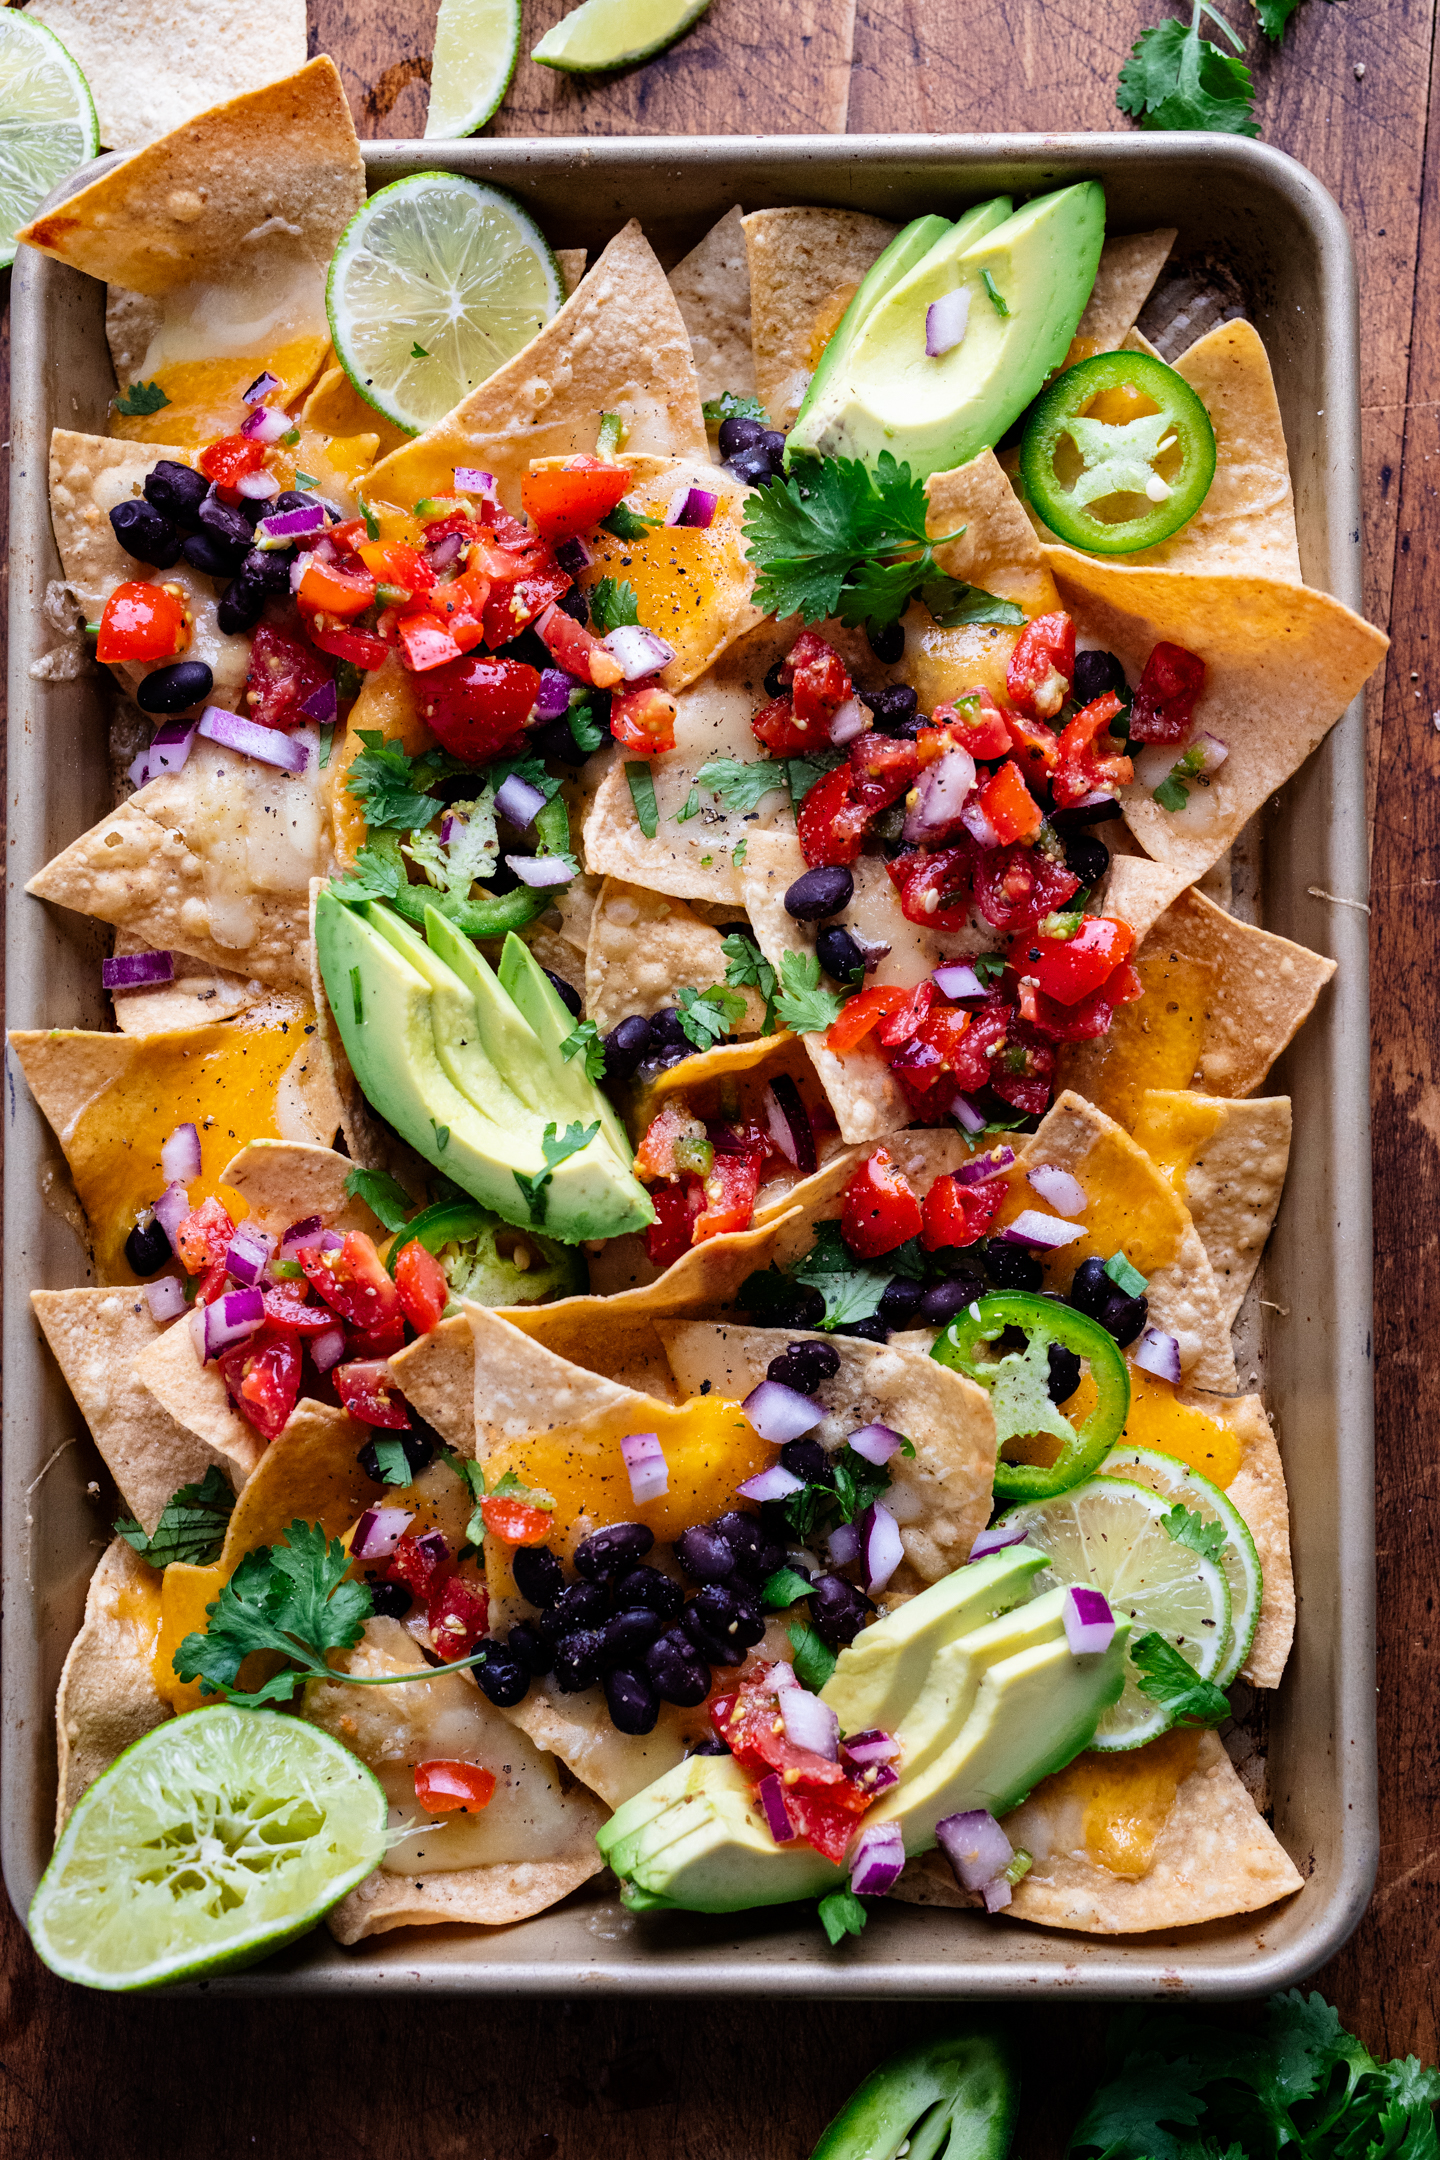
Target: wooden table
609, 2081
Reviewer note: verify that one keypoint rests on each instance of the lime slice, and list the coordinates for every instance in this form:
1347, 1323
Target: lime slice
437, 282
206, 1845
477, 43
1176, 1481
47, 121
604, 35
1112, 1534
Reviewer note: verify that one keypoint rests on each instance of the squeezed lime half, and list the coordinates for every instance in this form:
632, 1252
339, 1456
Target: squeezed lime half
47, 121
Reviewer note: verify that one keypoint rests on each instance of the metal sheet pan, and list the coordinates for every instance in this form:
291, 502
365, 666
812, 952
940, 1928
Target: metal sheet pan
1263, 220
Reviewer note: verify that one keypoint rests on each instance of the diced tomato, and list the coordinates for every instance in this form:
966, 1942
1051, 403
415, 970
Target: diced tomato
203, 1238
746, 1719
450, 1788
348, 535
1035, 748
1068, 969
970, 1060
362, 648
425, 643
283, 673
1164, 706
818, 680
675, 1122
291, 1313
377, 1342
424, 1291
458, 521
1023, 1072
776, 726
826, 1820
368, 1392
831, 822
1090, 1016
212, 1283
900, 1025
477, 705
1042, 666
577, 650
420, 1566
459, 606
227, 460
575, 498
352, 1280
957, 1214
883, 769
144, 622
392, 563
729, 1193
935, 888
920, 1067
262, 1378
457, 1616
326, 589
861, 1014
516, 1524
1016, 886
974, 721
1011, 809
677, 1210
643, 719
508, 531
1090, 761
880, 1209
511, 607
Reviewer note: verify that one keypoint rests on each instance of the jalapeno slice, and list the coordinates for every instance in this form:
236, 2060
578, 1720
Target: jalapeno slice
494, 915
1118, 453
1019, 1387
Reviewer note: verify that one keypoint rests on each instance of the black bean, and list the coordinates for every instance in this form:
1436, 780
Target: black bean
738, 433
1095, 673
176, 688
715, 1649
176, 492
225, 522
726, 1611
1064, 1373
754, 466
582, 1605
958, 1267
704, 1554
144, 533
252, 511
568, 995
943, 1300
391, 1600
1086, 858
838, 953
660, 1061
576, 604
827, 891
789, 1303
772, 440
629, 1635
745, 1538
577, 1659
899, 1300
1124, 1317
872, 1329
647, 1586
1070, 821
634, 1704
419, 1449
502, 1677
666, 1031
1091, 1288
713, 1746
679, 1675
887, 642
1009, 1267
774, 685
270, 569
530, 1646
807, 1459
894, 707
241, 606
837, 1609
292, 499
207, 552
804, 1366
147, 1248
538, 1574
619, 1546
626, 1045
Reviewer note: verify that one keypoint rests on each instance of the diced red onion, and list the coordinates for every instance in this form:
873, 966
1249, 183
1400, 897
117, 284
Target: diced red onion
1158, 1353
1096, 800
873, 1746
876, 1443
996, 1894
166, 1298
783, 1676
329, 1241
967, 1116
267, 745
638, 651
1215, 751
1089, 1622
231, 1319
975, 1846
956, 980
265, 424
517, 802
554, 699
851, 719
298, 568
843, 1545
940, 796
134, 971
645, 1462
985, 1166
539, 870
945, 321
180, 1156
573, 555
878, 1859
776, 1483
789, 1123
872, 950
169, 748
1064, 1193
979, 827
322, 705
469, 480
691, 506
287, 525
328, 1349
263, 384
810, 1723
1030, 1227
770, 1793
883, 1549
451, 827
304, 1232
170, 1211
995, 1539
779, 1413
445, 550
435, 1546
881, 1778
249, 1254
257, 486
379, 1531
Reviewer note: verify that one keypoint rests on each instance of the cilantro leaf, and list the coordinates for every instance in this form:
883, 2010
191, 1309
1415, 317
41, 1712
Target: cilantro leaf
834, 536
642, 794
802, 1004
814, 1659
1170, 1680
741, 784
1188, 1528
394, 1463
612, 605
382, 1195
292, 1598
851, 1290
628, 524
746, 968
572, 1141
1176, 78
1125, 2117
585, 731
731, 405
1274, 15
707, 1016
802, 773
584, 1039
953, 604
841, 1913
511, 1487
192, 1524
785, 1587
140, 400
391, 787
377, 873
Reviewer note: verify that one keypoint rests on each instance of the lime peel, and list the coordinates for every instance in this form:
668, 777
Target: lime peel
602, 36
477, 44
47, 121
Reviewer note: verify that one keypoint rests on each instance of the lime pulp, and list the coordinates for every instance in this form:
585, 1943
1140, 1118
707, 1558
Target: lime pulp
477, 43
602, 36
1176, 1481
47, 121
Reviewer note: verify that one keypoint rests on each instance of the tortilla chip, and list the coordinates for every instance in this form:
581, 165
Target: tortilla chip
1138, 891
169, 1371
996, 550
704, 1279
804, 265
286, 1181
1129, 265
712, 291
643, 949
196, 996
618, 345
1282, 663
336, 408
95, 1336
107, 1696
1227, 1162
941, 1497
214, 860
436, 1374
1222, 1000
1131, 1208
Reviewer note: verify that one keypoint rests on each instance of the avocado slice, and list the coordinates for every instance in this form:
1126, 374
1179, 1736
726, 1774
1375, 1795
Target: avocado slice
934, 414
707, 1848
879, 1676
536, 998
958, 1667
458, 1041
905, 252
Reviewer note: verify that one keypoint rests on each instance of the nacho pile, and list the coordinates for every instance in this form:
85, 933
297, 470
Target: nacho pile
572, 1006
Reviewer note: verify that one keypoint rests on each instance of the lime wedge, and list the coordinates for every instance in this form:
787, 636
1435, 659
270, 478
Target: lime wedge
437, 282
206, 1845
47, 121
1176, 1481
1112, 1534
604, 35
477, 43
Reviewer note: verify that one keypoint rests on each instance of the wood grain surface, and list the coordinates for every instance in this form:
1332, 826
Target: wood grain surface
1352, 96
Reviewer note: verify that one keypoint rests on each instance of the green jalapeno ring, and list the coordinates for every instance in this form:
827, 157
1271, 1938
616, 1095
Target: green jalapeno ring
492, 917
1117, 457
1018, 1387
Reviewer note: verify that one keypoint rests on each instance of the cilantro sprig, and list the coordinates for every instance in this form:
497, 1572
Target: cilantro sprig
1178, 78
393, 788
140, 400
708, 1016
192, 1524
585, 1041
733, 405
1170, 1680
612, 605
535, 1188
802, 1005
746, 968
